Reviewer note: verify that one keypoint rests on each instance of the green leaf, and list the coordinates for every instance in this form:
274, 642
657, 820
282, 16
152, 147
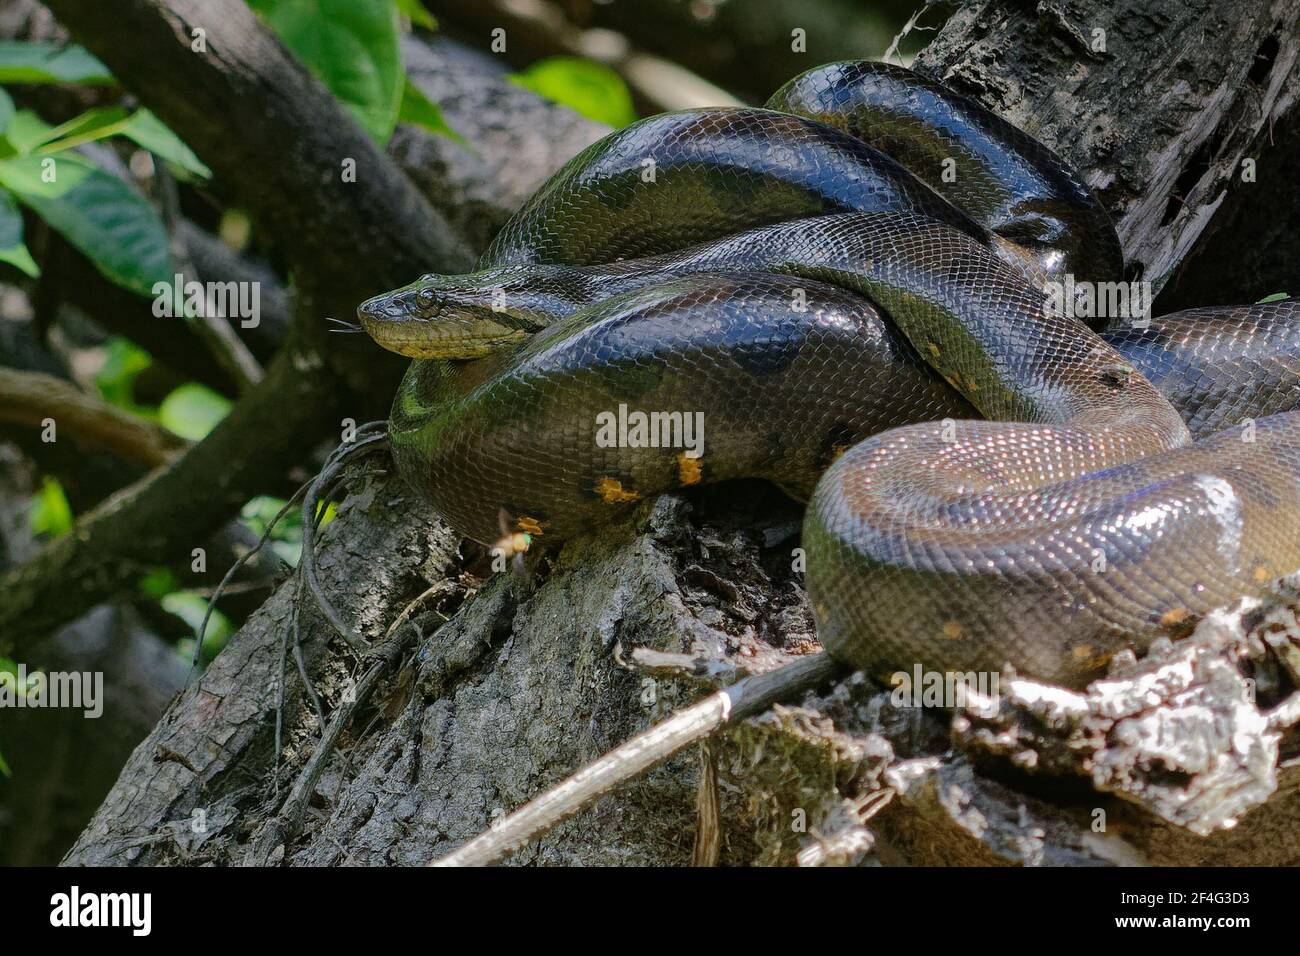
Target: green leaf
588, 87
352, 47
22, 62
6, 110
414, 11
12, 248
326, 513
115, 380
31, 133
259, 512
18, 257
26, 131
148, 131
1275, 297
418, 110
99, 123
97, 213
193, 410
190, 608
51, 514
158, 583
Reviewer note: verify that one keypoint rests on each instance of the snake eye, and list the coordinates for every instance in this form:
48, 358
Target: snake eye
425, 299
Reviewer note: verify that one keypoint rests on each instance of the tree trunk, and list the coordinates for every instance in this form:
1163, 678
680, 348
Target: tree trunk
526, 681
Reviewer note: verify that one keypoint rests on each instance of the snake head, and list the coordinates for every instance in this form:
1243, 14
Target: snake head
468, 316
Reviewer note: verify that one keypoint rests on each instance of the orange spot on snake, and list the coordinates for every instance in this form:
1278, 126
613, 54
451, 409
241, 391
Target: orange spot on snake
689, 470
1263, 574
529, 525
952, 630
612, 493
1089, 658
1175, 616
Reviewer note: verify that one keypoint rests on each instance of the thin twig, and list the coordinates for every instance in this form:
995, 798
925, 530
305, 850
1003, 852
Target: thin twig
279, 704
908, 27
307, 684
708, 825
384, 656
753, 695
369, 439
234, 569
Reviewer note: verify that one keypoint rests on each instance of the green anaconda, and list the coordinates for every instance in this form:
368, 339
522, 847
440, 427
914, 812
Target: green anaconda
774, 296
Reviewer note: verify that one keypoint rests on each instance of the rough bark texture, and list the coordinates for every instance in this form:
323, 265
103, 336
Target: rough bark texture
524, 684
1158, 102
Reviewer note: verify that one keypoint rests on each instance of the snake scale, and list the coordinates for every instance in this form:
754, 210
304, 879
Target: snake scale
846, 293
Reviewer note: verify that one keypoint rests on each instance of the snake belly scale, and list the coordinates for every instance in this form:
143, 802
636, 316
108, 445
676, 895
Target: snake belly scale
989, 482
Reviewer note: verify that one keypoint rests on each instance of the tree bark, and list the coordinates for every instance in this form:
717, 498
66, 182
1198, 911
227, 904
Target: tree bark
1159, 103
524, 684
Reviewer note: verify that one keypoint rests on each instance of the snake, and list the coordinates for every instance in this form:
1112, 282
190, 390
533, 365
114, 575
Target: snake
847, 293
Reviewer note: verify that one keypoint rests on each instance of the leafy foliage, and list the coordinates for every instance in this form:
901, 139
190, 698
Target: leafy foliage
351, 47
354, 49
193, 410
286, 537
587, 87
123, 362
149, 132
97, 213
22, 62
50, 512
418, 110
12, 248
415, 11
190, 607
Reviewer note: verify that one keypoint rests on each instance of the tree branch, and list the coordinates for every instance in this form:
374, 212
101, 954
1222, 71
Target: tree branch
285, 163
292, 138
28, 398
161, 518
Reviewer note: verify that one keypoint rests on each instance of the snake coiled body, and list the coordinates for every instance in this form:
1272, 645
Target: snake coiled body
733, 168
1006, 180
841, 342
